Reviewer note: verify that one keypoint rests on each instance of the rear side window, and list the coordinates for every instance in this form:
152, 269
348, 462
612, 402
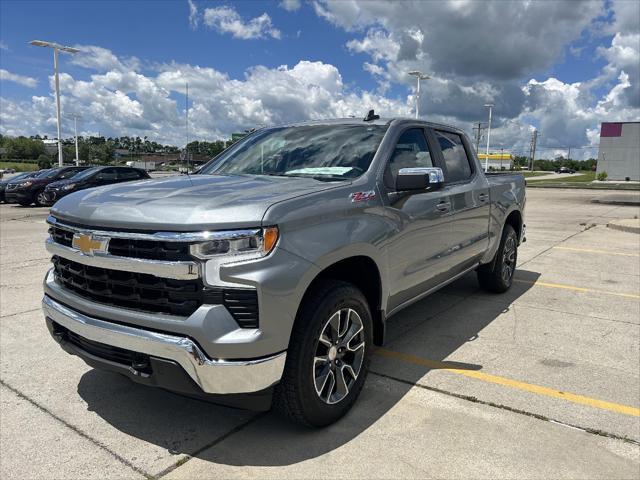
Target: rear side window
128, 174
108, 174
411, 151
455, 156
69, 173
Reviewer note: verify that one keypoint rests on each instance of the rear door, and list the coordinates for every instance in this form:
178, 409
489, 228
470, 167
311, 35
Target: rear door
417, 250
468, 191
106, 176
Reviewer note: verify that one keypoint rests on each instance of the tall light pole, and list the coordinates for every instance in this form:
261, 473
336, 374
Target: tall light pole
75, 117
486, 159
419, 76
56, 47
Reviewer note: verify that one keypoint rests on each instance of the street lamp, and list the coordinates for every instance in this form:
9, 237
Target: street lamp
419, 76
56, 47
486, 159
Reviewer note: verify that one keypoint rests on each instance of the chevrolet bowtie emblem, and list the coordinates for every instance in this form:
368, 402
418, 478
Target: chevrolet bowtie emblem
90, 245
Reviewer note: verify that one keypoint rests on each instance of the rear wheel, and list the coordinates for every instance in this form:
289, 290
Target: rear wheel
328, 355
497, 276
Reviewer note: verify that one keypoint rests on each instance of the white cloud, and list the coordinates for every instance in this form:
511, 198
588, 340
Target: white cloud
21, 79
290, 5
126, 102
227, 20
193, 14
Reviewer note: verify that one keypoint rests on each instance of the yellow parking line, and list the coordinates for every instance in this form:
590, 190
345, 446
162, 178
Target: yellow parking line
576, 289
507, 382
589, 250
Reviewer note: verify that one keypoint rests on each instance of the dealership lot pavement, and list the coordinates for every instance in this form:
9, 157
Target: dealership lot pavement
540, 382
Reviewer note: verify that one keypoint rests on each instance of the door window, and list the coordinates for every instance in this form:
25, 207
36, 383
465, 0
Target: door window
107, 175
411, 151
455, 156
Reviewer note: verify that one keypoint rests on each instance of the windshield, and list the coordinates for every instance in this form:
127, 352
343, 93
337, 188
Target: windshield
85, 173
324, 152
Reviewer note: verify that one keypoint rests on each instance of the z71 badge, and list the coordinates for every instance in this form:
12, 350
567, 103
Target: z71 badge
362, 196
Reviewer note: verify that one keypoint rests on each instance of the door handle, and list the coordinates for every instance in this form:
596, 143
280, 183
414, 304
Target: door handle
443, 206
483, 197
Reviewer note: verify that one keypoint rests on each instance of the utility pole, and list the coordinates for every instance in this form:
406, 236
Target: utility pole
75, 117
569, 155
534, 140
486, 161
186, 148
478, 131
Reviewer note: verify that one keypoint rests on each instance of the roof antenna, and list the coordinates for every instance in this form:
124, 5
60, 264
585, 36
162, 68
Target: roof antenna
371, 116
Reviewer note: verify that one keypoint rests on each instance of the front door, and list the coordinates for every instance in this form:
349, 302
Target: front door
417, 251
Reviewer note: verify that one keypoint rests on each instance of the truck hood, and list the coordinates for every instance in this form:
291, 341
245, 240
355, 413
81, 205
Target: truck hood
183, 203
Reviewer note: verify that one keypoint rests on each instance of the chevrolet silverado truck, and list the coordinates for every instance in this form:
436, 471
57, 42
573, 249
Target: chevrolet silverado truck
267, 278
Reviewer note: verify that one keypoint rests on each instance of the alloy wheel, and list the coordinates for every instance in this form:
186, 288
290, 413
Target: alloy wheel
508, 259
339, 355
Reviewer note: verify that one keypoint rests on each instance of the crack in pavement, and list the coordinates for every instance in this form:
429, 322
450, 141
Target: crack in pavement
84, 435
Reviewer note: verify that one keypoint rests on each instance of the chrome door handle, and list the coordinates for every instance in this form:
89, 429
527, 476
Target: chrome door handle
443, 206
483, 197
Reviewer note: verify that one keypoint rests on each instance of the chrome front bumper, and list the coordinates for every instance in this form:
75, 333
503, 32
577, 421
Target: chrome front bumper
211, 375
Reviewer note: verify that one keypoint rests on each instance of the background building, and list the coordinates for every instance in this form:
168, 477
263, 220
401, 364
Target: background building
619, 153
497, 161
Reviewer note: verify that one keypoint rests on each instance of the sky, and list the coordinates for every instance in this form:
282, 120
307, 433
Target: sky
561, 67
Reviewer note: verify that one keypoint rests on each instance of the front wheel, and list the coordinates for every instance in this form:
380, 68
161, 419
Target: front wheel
497, 276
41, 199
328, 355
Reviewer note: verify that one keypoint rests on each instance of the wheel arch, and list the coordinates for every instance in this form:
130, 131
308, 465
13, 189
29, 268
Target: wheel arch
363, 272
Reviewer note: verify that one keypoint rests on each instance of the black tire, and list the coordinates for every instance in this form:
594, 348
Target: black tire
497, 276
40, 199
296, 396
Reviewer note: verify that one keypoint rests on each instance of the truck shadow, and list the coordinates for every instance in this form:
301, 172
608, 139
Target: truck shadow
431, 329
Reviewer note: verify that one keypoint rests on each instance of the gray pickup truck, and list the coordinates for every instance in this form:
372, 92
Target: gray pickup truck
268, 277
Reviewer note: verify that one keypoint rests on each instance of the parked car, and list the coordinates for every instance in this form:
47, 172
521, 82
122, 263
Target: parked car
31, 190
92, 177
15, 178
565, 170
268, 277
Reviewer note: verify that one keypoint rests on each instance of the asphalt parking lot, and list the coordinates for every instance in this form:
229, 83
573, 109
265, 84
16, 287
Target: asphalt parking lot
540, 382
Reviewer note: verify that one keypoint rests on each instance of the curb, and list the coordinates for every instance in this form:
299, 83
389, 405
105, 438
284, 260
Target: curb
627, 226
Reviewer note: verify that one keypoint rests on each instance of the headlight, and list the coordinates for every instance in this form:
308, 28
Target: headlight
70, 186
25, 184
237, 244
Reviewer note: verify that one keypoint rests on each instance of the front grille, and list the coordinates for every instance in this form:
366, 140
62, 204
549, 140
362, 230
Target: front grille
139, 291
149, 249
11, 187
131, 248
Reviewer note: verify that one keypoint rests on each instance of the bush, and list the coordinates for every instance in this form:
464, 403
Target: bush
602, 176
44, 161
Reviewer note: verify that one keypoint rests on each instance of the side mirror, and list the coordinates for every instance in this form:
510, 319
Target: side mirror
419, 179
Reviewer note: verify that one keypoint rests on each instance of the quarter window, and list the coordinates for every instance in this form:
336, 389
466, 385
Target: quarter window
455, 156
411, 151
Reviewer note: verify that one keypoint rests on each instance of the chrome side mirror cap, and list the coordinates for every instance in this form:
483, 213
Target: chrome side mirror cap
419, 178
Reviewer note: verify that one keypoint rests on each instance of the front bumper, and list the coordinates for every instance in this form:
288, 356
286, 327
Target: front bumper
212, 376
17, 196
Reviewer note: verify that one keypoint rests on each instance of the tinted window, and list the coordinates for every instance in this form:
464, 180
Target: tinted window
330, 152
455, 156
411, 151
108, 174
86, 173
70, 172
128, 174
